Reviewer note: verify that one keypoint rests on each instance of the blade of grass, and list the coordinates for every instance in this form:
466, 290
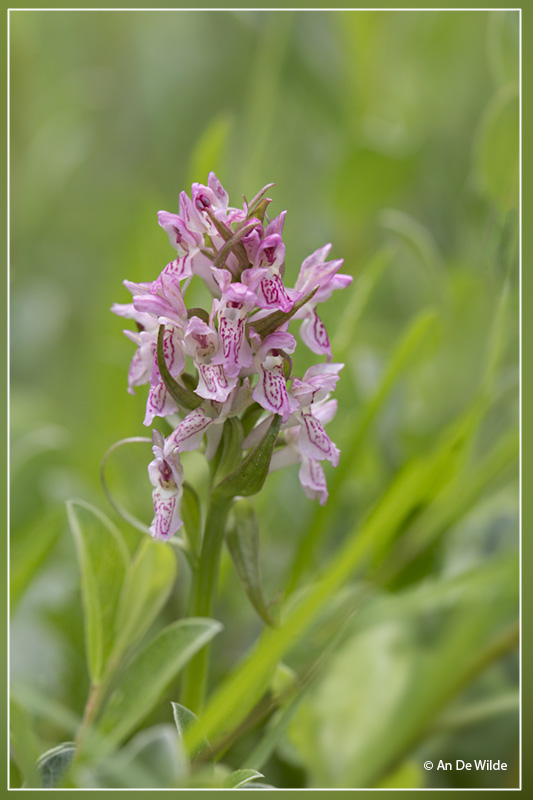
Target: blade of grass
244, 686
406, 351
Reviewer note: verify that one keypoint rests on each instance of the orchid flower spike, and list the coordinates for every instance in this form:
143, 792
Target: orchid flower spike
231, 363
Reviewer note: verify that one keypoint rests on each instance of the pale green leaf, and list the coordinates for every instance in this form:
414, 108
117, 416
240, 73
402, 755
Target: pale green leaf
242, 539
25, 745
183, 718
54, 764
231, 448
103, 558
250, 476
240, 777
30, 547
150, 673
153, 759
147, 586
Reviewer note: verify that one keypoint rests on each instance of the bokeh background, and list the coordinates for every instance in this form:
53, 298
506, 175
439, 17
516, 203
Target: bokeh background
393, 135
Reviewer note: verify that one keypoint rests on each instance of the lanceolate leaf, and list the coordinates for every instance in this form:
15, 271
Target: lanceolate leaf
249, 478
183, 718
150, 673
231, 444
31, 547
242, 539
103, 558
145, 590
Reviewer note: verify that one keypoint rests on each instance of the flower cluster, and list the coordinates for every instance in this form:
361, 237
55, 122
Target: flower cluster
232, 360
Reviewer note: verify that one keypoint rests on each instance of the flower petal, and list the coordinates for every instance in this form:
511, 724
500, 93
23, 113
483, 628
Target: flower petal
314, 442
213, 384
315, 335
167, 518
271, 390
313, 480
188, 435
159, 403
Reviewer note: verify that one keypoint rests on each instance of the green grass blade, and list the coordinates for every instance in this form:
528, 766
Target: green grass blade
406, 351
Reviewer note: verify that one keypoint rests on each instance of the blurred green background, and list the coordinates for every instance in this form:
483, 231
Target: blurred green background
393, 135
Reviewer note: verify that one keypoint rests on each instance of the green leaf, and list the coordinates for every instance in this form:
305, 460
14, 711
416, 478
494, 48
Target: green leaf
273, 321
192, 517
149, 674
231, 448
242, 539
183, 718
25, 744
30, 547
181, 395
145, 590
249, 478
153, 759
250, 416
104, 560
240, 777
54, 764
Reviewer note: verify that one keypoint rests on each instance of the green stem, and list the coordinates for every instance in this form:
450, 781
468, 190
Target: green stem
203, 591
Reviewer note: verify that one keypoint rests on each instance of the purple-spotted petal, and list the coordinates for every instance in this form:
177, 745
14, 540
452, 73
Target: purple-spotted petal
188, 435
159, 403
201, 340
194, 221
271, 252
234, 350
271, 389
279, 340
174, 355
315, 335
318, 381
141, 365
180, 237
271, 294
314, 442
179, 269
213, 383
313, 480
218, 190
167, 520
